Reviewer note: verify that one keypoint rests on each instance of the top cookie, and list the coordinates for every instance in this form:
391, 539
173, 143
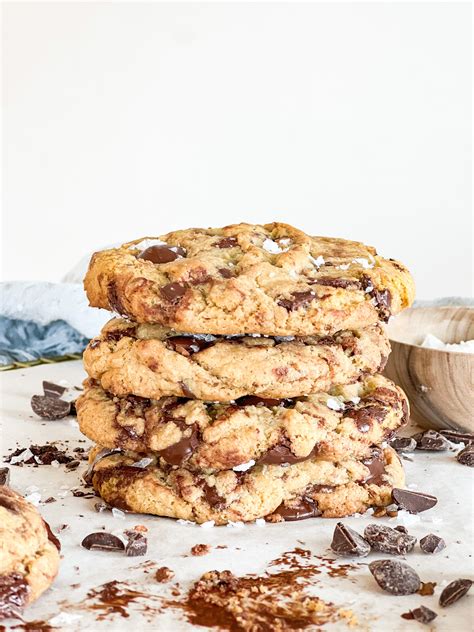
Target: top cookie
244, 278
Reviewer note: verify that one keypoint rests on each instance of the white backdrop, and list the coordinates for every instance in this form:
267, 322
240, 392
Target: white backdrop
130, 119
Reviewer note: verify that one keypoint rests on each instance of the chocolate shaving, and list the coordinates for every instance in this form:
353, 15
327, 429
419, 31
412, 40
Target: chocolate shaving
458, 436
14, 592
403, 444
137, 544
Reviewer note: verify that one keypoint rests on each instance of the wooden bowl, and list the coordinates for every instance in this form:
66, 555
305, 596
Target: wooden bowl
439, 384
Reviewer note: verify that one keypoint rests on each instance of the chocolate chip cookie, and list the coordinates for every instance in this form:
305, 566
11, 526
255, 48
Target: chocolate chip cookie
153, 361
316, 487
29, 556
218, 436
264, 279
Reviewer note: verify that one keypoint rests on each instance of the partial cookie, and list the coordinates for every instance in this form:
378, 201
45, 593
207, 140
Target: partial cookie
29, 556
271, 279
316, 487
210, 437
152, 361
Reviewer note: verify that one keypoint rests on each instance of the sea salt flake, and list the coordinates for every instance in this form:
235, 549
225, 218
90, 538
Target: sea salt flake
243, 467
208, 525
319, 261
433, 342
143, 463
34, 498
334, 404
181, 521
355, 400
54, 464
31, 489
343, 266
363, 262
118, 513
260, 522
235, 525
271, 246
23, 456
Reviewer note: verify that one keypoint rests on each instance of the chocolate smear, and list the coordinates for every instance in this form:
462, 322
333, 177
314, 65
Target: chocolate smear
466, 456
13, 595
51, 389
297, 300
395, 577
162, 254
413, 502
431, 441
4, 476
181, 451
137, 544
403, 444
50, 408
421, 614
301, 509
347, 542
173, 292
432, 543
101, 541
387, 540
454, 592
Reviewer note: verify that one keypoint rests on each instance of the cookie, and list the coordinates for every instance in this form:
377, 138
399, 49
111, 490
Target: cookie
210, 437
152, 361
29, 556
316, 487
264, 279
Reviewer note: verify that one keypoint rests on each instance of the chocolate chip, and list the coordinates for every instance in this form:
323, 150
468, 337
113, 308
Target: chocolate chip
187, 345
297, 300
114, 299
431, 440
431, 543
72, 465
298, 510
395, 577
457, 436
352, 284
51, 389
116, 335
227, 242
386, 540
137, 544
454, 591
101, 541
466, 456
13, 595
421, 614
162, 254
181, 451
347, 542
50, 407
4, 476
173, 292
414, 502
403, 444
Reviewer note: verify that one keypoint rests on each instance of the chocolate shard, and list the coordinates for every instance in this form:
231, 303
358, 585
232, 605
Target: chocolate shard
181, 451
421, 614
187, 345
4, 476
431, 441
50, 407
101, 541
375, 463
466, 456
50, 389
395, 577
458, 436
454, 592
347, 542
403, 444
137, 544
13, 595
413, 502
386, 540
432, 543
162, 254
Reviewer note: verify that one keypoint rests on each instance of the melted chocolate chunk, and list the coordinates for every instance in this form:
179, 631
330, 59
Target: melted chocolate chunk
181, 451
365, 417
347, 542
297, 300
281, 454
4, 476
212, 497
118, 334
50, 408
413, 502
173, 292
115, 302
51, 389
187, 345
395, 577
376, 465
253, 400
454, 591
102, 541
13, 595
352, 284
301, 509
227, 242
386, 540
382, 298
162, 254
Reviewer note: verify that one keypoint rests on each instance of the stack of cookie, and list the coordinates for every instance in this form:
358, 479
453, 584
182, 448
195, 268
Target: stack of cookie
242, 378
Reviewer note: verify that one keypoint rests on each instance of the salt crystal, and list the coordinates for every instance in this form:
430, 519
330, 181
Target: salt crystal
363, 262
118, 513
319, 261
243, 467
260, 522
343, 266
54, 464
147, 243
355, 400
208, 525
235, 525
23, 456
334, 404
271, 246
31, 489
34, 498
143, 463
181, 521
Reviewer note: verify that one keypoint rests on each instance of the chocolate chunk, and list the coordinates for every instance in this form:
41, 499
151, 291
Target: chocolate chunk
162, 254
297, 300
137, 544
226, 273
102, 541
50, 407
115, 302
173, 292
253, 400
13, 595
395, 577
4, 476
376, 466
301, 509
187, 392
414, 502
227, 242
187, 345
281, 454
421, 614
383, 299
116, 335
403, 444
466, 456
51, 389
431, 543
457, 436
454, 591
386, 540
347, 542
212, 497
364, 417
352, 284
181, 451
431, 440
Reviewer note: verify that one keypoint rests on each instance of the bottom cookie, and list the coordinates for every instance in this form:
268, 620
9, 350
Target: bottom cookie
316, 487
29, 555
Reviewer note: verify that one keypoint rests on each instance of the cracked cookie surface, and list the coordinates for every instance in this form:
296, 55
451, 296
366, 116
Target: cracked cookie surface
315, 487
266, 279
152, 361
211, 437
29, 556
